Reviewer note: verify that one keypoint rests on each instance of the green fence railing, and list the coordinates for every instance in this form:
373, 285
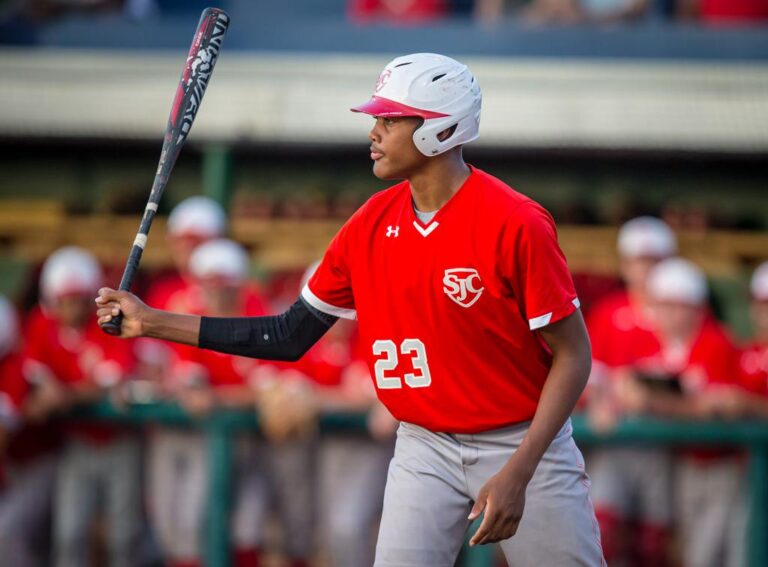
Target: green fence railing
219, 428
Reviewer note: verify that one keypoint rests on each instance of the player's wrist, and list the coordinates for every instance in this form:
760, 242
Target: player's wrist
149, 322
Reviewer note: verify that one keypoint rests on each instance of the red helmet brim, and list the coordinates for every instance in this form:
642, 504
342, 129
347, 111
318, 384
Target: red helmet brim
378, 106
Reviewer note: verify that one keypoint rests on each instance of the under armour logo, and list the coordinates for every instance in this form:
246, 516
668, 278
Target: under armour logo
393, 231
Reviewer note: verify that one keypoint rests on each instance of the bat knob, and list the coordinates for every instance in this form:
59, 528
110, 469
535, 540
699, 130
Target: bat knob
113, 327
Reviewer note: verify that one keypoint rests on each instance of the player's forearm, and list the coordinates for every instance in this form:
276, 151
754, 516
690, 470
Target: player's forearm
174, 327
282, 337
567, 378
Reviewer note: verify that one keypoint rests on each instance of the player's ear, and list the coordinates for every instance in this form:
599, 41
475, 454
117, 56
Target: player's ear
447, 133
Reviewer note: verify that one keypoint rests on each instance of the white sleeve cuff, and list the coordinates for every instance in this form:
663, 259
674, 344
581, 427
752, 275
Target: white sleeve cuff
544, 320
326, 308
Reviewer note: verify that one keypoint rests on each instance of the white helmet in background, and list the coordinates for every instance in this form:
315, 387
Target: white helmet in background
434, 87
646, 237
678, 281
70, 270
220, 258
9, 326
759, 284
200, 216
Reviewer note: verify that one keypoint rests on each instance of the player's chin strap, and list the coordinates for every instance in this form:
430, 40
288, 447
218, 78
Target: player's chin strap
282, 337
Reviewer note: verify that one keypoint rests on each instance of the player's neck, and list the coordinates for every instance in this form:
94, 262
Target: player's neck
439, 180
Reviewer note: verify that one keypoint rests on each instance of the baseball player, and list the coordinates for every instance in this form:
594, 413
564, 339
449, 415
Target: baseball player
27, 455
472, 329
697, 354
178, 461
193, 221
71, 361
631, 486
753, 401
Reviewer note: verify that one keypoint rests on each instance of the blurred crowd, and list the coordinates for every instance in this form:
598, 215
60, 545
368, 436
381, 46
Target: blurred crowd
560, 12
418, 12
141, 494
147, 490
658, 351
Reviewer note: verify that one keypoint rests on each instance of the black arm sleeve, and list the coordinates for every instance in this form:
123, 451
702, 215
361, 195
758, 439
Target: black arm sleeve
282, 337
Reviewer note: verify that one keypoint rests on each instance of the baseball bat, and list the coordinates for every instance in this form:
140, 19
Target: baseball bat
195, 76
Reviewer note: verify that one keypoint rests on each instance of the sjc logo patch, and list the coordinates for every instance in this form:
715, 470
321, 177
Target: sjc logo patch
463, 285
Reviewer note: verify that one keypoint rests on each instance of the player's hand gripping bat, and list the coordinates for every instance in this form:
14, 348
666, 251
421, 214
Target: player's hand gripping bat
195, 76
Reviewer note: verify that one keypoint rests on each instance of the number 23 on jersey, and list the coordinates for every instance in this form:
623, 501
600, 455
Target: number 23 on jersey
390, 355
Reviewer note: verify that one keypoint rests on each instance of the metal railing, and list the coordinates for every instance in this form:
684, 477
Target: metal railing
220, 427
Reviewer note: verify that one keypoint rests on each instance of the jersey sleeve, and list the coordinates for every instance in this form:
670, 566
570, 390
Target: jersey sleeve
538, 272
329, 290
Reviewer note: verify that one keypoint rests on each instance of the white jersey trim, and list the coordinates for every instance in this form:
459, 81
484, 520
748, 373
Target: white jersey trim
426, 231
543, 320
327, 308
540, 321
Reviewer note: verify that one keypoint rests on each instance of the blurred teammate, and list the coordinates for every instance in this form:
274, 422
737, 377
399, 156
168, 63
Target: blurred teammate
27, 456
192, 222
696, 360
70, 361
753, 401
631, 486
477, 344
202, 381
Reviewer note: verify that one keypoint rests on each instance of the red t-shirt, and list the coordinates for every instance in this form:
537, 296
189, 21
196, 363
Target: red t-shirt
448, 310
398, 11
734, 11
71, 356
620, 333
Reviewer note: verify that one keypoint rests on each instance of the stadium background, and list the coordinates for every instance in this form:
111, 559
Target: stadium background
599, 121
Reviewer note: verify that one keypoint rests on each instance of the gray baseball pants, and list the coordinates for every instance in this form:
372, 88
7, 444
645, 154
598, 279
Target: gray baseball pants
90, 477
435, 477
25, 506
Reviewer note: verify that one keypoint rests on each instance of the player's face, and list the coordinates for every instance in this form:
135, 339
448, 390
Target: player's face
634, 271
182, 246
676, 320
72, 310
222, 298
393, 152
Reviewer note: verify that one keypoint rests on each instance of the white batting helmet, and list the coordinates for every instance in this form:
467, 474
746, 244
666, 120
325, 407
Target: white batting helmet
221, 258
677, 280
646, 236
759, 284
9, 329
199, 216
434, 87
69, 270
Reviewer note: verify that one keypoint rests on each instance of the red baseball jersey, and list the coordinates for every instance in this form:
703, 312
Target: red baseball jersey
26, 442
754, 368
710, 360
448, 311
620, 332
76, 356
